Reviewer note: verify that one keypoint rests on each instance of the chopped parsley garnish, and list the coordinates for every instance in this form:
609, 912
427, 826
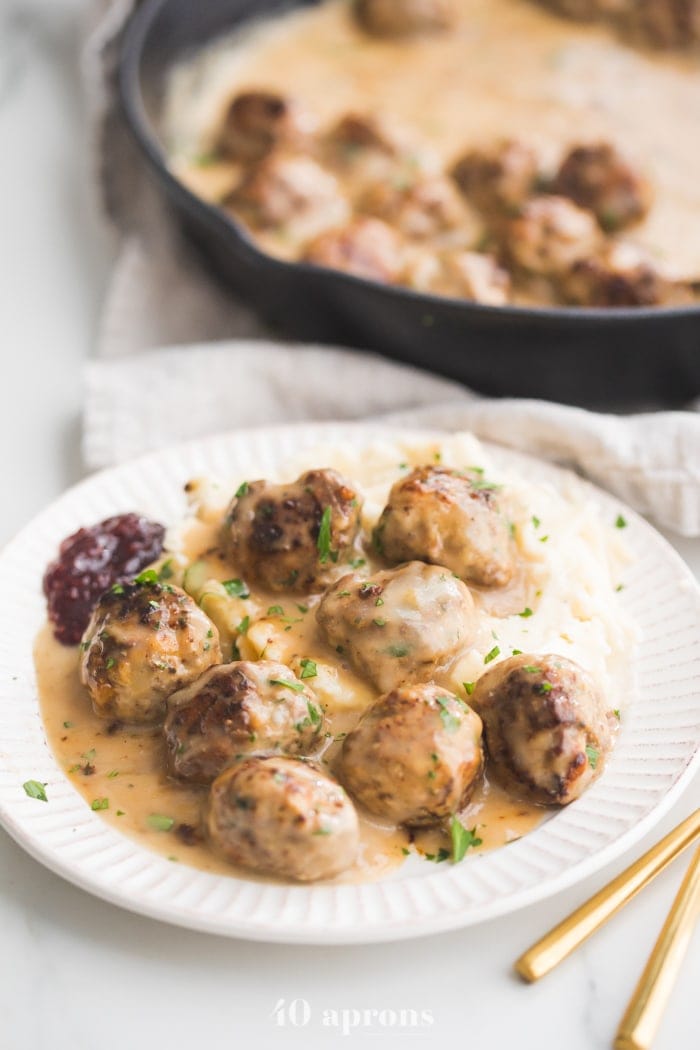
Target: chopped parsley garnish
99, 803
67, 725
242, 489
492, 654
517, 652
462, 839
379, 601
297, 687
378, 622
536, 521
244, 625
531, 668
357, 563
484, 486
117, 588
592, 755
405, 851
543, 539
544, 687
113, 773
303, 609
314, 713
527, 611
616, 712
323, 543
35, 789
110, 662
159, 822
236, 588
308, 668
620, 587
275, 610
343, 594
147, 576
397, 650
469, 687
166, 570
450, 720
322, 831
620, 522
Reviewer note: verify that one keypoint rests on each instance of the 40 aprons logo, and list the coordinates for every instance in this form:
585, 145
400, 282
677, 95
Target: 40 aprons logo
299, 1013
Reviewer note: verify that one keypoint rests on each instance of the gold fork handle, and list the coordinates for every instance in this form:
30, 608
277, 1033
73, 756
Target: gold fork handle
643, 1015
564, 938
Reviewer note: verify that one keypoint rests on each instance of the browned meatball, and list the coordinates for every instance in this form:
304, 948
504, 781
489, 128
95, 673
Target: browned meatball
414, 757
235, 709
546, 727
622, 276
667, 23
144, 641
599, 178
421, 208
400, 624
399, 18
364, 247
284, 190
461, 275
258, 121
282, 817
499, 179
448, 518
293, 536
364, 149
549, 235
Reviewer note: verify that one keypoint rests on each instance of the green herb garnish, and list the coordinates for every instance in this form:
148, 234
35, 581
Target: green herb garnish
323, 543
35, 789
236, 588
492, 654
159, 822
308, 668
593, 755
297, 687
147, 576
99, 803
462, 839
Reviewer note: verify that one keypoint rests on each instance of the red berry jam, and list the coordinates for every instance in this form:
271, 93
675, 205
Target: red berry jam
89, 562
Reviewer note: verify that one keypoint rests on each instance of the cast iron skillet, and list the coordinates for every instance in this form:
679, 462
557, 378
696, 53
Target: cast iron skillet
616, 357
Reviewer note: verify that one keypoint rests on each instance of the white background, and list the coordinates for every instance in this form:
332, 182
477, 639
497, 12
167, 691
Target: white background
77, 974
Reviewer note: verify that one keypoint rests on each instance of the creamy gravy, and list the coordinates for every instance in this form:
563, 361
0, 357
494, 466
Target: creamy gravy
126, 766
509, 68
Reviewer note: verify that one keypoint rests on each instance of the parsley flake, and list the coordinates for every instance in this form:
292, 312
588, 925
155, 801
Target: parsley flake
308, 668
35, 789
462, 839
496, 651
159, 822
236, 588
592, 755
297, 687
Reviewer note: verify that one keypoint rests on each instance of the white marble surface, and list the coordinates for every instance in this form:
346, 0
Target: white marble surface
79, 974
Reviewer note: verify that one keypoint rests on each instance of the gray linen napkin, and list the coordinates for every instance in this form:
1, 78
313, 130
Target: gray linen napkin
180, 357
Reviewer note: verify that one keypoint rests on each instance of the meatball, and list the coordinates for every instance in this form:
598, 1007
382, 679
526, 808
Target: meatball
549, 235
669, 23
283, 817
473, 276
400, 18
546, 727
414, 757
293, 536
399, 624
364, 247
284, 190
497, 180
599, 178
422, 208
144, 641
448, 518
622, 276
237, 708
364, 149
258, 121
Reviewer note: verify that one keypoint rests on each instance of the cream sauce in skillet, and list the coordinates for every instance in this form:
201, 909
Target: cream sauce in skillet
509, 68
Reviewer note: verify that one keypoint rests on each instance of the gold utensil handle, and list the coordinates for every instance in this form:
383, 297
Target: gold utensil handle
564, 938
643, 1015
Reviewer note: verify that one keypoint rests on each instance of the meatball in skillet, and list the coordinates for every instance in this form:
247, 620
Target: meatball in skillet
293, 536
622, 275
414, 756
238, 708
283, 817
546, 727
256, 122
549, 235
599, 178
364, 149
497, 179
400, 624
448, 518
287, 190
474, 276
144, 641
364, 247
421, 208
400, 18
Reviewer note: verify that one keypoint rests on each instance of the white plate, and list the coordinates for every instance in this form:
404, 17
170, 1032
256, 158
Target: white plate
655, 757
